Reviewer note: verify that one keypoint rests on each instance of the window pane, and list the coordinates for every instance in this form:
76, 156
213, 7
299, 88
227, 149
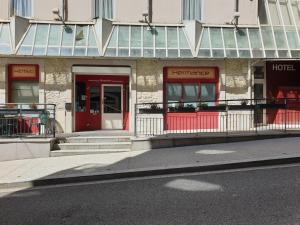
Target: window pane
135, 37
267, 38
191, 9
25, 92
293, 39
123, 36
274, 12
242, 38
160, 37
22, 8
55, 35
287, 19
174, 92
208, 93
148, 38
29, 36
4, 35
104, 9
205, 39
229, 38
262, 13
112, 99
81, 35
80, 97
190, 92
183, 43
92, 38
280, 38
94, 100
216, 38
41, 34
296, 10
172, 37
255, 39
68, 36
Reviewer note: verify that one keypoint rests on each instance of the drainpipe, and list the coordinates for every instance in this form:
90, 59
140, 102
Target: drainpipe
64, 11
149, 8
237, 11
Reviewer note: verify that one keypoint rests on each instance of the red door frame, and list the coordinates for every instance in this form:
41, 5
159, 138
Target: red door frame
102, 80
181, 81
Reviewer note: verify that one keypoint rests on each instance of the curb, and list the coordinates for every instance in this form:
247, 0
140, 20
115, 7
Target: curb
150, 172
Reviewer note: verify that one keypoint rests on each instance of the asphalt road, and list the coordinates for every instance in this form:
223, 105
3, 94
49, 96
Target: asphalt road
265, 196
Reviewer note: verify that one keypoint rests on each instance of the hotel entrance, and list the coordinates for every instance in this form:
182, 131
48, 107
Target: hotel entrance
101, 103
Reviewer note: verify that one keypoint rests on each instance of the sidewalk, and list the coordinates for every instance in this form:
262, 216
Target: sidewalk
60, 169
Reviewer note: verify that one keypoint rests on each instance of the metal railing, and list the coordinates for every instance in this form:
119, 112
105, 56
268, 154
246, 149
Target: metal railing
27, 120
223, 116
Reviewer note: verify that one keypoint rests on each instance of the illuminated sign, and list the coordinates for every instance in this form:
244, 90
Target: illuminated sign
191, 73
24, 71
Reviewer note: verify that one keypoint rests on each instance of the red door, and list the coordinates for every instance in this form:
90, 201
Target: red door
87, 106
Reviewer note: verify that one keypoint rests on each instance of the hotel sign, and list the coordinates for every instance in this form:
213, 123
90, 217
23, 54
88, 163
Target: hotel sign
191, 73
24, 71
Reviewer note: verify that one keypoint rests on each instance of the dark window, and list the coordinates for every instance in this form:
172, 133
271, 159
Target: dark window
80, 97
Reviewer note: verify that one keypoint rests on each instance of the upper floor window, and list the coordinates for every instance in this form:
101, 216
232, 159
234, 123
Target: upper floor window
21, 8
104, 9
191, 9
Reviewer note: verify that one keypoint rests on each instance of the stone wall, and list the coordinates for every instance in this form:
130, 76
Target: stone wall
2, 82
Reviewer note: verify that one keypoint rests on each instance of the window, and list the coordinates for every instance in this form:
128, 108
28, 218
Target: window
25, 92
21, 8
104, 9
191, 9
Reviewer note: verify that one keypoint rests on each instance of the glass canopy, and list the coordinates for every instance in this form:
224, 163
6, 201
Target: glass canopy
5, 39
59, 40
143, 41
276, 36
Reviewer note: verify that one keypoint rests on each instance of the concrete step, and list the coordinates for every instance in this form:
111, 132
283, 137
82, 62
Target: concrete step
58, 153
95, 139
103, 145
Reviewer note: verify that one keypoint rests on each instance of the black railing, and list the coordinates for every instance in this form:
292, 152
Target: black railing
224, 116
27, 120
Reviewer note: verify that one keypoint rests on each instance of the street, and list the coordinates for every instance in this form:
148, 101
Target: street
268, 196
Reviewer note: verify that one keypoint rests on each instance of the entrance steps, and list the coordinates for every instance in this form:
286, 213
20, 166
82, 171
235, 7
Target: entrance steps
82, 145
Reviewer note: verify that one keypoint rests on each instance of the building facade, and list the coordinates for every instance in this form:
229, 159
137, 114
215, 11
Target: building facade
97, 59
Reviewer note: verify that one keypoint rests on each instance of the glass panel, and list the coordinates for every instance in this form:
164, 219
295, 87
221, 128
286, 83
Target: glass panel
231, 53
66, 51
174, 92
242, 38
148, 53
148, 38
295, 54
124, 52
283, 54
271, 54
204, 53
186, 53
80, 51
262, 13
293, 39
81, 36
287, 19
216, 38
52, 51
244, 54
191, 93
160, 53
5, 49
41, 34
25, 50
92, 52
55, 35
173, 53
123, 36
112, 99
205, 39
280, 38
80, 97
218, 53
229, 38
127, 97
136, 41
160, 37
183, 43
136, 52
29, 36
68, 36
39, 50
257, 54
274, 13
25, 92
296, 10
255, 39
191, 9
94, 100
111, 52
92, 38
4, 35
267, 38
113, 40
172, 37
208, 93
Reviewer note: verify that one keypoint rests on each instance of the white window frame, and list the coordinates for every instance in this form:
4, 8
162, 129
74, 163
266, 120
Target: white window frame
12, 11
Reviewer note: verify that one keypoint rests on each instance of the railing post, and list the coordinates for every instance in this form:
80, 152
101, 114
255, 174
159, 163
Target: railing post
135, 120
20, 119
54, 119
256, 111
227, 108
285, 114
